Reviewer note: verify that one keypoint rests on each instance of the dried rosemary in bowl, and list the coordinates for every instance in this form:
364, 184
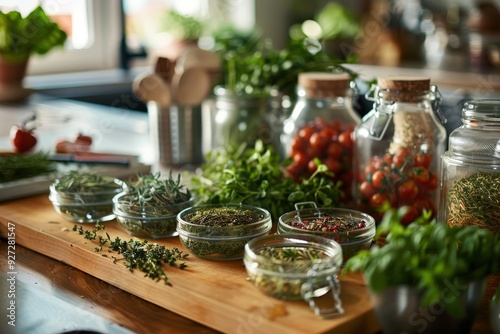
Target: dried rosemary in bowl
85, 196
150, 206
475, 201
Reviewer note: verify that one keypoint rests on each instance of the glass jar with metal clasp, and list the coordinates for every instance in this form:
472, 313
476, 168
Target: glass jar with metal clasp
470, 179
397, 149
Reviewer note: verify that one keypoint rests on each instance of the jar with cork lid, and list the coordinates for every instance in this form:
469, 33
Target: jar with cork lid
320, 127
397, 149
470, 178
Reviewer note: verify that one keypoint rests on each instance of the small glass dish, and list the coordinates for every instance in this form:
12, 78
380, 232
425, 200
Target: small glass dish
296, 267
353, 230
147, 221
220, 231
89, 206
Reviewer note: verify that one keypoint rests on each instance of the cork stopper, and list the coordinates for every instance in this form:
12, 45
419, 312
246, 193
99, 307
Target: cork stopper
404, 88
322, 84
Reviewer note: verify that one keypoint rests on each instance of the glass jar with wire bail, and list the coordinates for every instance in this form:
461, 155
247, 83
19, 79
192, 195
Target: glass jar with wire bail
397, 149
470, 178
320, 126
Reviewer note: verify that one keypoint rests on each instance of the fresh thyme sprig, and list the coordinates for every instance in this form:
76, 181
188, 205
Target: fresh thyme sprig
142, 255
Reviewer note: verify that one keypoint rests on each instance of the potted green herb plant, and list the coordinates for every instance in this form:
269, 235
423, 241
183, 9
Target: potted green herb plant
257, 78
181, 32
20, 38
428, 277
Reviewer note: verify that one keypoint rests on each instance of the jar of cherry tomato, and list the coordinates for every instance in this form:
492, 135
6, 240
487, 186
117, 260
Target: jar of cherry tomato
319, 128
470, 178
397, 149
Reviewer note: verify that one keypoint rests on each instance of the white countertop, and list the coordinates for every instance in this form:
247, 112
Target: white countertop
114, 130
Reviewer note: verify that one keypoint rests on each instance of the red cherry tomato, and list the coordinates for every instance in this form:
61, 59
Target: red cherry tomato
334, 150
423, 160
378, 200
366, 189
306, 132
420, 175
410, 214
346, 140
408, 190
378, 179
22, 139
317, 141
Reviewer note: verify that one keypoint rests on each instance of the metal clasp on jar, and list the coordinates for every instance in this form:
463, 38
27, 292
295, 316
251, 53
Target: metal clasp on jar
318, 285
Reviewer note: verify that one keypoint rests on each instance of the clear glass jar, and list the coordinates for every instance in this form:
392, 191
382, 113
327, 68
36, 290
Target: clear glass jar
398, 147
231, 120
320, 126
470, 178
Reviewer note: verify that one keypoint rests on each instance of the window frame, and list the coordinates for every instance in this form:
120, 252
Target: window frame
102, 53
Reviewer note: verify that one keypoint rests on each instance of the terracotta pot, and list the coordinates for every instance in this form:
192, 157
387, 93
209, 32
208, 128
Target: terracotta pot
12, 74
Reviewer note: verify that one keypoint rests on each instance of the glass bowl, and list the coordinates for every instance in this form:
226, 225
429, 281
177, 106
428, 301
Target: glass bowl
283, 266
90, 206
147, 221
353, 230
220, 231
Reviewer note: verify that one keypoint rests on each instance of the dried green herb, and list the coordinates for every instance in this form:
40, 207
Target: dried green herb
221, 231
78, 181
475, 201
285, 270
85, 195
223, 216
142, 255
150, 206
22, 166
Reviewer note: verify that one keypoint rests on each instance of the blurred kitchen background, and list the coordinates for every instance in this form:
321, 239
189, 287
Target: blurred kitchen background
111, 41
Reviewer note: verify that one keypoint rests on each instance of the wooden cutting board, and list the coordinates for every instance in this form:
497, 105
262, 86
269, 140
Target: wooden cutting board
214, 293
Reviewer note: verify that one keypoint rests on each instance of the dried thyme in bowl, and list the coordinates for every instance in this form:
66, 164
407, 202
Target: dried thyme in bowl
221, 231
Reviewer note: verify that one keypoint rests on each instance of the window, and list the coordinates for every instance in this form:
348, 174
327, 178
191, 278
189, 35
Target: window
93, 30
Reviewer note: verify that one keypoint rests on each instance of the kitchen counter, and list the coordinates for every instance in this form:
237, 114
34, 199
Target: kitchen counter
62, 285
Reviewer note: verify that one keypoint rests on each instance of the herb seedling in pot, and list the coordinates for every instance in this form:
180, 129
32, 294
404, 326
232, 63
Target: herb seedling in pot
149, 206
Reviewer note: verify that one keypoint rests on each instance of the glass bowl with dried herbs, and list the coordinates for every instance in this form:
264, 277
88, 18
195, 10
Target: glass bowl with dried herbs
84, 196
293, 266
352, 229
149, 207
220, 231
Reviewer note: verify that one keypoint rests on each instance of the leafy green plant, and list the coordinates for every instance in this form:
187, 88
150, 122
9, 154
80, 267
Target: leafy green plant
21, 37
182, 27
15, 167
255, 176
428, 255
257, 69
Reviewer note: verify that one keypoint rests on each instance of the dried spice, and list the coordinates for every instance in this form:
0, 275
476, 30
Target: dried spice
223, 216
475, 201
221, 232
327, 223
142, 255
